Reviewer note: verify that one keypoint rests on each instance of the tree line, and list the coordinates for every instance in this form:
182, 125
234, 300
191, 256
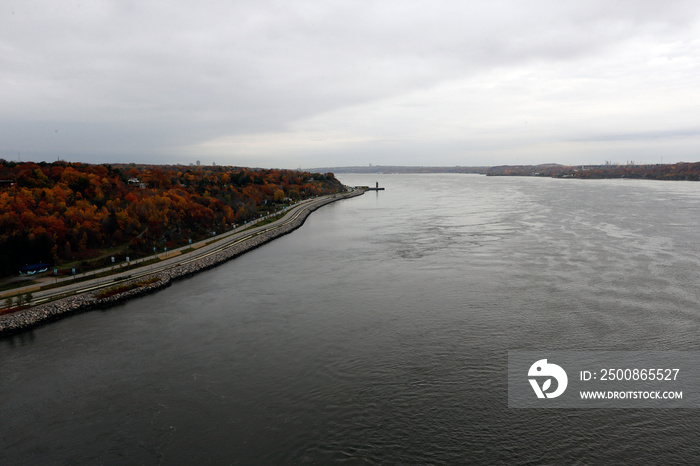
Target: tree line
62, 212
675, 171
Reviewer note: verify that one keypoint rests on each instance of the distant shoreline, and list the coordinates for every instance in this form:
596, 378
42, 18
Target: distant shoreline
674, 171
33, 317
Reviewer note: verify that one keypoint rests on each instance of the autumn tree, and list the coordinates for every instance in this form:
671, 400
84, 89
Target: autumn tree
62, 211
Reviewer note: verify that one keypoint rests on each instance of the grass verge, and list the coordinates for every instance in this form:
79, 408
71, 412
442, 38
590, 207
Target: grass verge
114, 290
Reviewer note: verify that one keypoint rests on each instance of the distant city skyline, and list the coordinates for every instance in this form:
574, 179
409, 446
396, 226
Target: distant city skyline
307, 84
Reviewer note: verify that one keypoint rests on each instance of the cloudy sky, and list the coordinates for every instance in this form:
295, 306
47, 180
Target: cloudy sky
300, 83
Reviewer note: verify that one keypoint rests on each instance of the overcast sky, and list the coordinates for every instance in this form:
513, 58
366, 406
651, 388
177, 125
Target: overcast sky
334, 83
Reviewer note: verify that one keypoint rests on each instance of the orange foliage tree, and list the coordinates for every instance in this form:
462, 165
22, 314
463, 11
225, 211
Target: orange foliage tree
61, 212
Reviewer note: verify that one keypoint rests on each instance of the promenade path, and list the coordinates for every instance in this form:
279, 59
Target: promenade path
82, 282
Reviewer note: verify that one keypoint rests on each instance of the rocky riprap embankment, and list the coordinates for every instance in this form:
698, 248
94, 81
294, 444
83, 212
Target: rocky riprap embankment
28, 318
22, 320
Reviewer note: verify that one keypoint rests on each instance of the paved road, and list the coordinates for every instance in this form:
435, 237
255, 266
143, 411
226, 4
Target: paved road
170, 259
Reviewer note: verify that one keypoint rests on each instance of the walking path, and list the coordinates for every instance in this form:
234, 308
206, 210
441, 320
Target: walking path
73, 296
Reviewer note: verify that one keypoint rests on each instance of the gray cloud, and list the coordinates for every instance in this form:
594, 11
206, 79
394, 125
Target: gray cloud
262, 82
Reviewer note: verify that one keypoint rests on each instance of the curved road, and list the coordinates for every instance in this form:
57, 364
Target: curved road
172, 258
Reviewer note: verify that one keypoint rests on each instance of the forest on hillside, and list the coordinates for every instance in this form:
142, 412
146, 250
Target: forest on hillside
674, 171
60, 212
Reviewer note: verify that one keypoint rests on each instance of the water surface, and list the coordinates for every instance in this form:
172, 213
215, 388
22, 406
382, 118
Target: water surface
378, 333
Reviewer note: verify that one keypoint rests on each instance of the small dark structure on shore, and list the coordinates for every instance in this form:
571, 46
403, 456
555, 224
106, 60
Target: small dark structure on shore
376, 188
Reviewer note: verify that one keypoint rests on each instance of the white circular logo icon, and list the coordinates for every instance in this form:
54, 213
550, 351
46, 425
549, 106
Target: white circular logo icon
544, 371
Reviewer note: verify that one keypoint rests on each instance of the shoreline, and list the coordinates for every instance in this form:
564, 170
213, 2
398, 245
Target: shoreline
43, 314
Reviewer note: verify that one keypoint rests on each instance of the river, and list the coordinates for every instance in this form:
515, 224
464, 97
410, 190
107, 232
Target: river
378, 333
